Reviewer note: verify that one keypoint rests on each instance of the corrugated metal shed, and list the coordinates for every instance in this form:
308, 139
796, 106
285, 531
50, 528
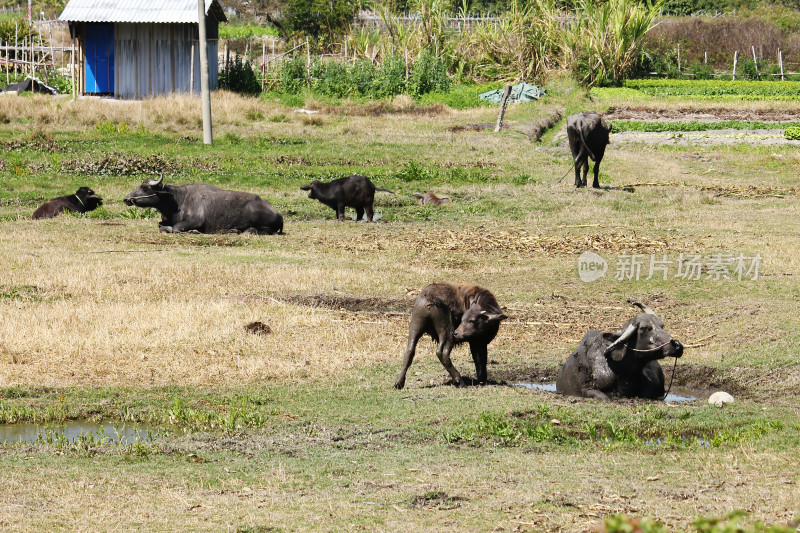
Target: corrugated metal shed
142, 11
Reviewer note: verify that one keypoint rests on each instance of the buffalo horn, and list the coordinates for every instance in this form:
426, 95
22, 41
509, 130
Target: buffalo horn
622, 338
644, 308
156, 183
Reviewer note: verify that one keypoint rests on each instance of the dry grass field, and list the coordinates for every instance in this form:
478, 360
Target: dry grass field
299, 429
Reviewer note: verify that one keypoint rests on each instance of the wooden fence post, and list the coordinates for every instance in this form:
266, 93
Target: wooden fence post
503, 104
735, 59
308, 63
780, 62
679, 57
755, 59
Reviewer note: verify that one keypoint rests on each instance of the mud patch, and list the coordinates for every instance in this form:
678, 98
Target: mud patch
690, 380
258, 328
350, 303
471, 127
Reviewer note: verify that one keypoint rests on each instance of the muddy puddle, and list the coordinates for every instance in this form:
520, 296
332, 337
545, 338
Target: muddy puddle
676, 395
77, 430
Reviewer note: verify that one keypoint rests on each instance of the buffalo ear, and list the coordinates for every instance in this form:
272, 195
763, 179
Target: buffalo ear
305, 188
496, 317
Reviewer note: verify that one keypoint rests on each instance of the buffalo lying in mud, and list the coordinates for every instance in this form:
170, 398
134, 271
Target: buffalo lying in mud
623, 364
452, 314
206, 209
588, 136
353, 191
82, 201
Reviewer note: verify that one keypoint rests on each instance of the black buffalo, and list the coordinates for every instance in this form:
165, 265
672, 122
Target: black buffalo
206, 209
623, 364
82, 201
588, 136
353, 191
452, 314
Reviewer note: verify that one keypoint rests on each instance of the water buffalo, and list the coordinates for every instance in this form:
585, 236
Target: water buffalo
206, 209
353, 191
588, 137
623, 364
430, 198
82, 201
452, 314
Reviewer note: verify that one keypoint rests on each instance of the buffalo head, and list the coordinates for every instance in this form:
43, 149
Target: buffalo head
478, 323
312, 187
643, 337
147, 193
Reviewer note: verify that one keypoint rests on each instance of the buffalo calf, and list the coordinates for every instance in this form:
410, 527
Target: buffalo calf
353, 191
588, 136
82, 201
452, 314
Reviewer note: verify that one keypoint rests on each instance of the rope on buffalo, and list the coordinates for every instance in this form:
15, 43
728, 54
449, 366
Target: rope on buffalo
671, 379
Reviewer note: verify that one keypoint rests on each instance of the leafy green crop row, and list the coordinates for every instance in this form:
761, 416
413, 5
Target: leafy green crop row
793, 133
636, 125
718, 89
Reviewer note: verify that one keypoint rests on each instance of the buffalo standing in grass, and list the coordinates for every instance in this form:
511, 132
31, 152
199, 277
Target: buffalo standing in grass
84, 200
353, 191
623, 364
452, 314
206, 209
588, 136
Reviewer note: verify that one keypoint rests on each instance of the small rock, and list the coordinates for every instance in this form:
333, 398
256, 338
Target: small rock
720, 398
555, 422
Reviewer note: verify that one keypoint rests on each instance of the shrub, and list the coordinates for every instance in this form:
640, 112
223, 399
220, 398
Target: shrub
239, 78
793, 134
429, 74
292, 74
701, 71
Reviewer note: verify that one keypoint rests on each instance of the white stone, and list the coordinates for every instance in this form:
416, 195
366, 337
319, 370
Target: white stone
720, 398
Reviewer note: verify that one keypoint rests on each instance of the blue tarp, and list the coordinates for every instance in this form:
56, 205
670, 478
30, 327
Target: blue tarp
521, 92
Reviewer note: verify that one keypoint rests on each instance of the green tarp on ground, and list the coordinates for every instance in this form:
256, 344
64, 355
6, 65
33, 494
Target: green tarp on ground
521, 92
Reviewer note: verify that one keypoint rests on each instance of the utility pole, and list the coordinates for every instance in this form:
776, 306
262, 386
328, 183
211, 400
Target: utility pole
204, 89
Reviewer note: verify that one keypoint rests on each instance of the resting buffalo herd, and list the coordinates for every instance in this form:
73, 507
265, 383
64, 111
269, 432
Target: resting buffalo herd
622, 364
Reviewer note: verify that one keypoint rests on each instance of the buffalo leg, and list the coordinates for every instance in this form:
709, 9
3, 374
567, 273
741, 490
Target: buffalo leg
359, 213
443, 353
578, 165
368, 210
340, 212
413, 337
479, 356
596, 182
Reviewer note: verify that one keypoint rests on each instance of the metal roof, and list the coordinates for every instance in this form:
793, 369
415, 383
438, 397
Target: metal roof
163, 11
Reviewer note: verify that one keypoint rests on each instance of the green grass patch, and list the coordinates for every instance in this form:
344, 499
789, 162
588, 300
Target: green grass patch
694, 125
717, 89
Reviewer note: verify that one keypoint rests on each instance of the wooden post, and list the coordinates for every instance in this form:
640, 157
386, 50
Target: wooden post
204, 85
227, 56
705, 58
263, 61
780, 62
679, 57
406, 48
191, 70
503, 104
308, 63
72, 69
755, 59
735, 59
